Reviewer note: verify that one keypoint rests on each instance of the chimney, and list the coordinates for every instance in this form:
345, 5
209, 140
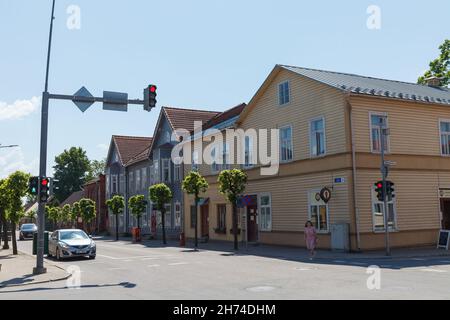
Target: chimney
433, 81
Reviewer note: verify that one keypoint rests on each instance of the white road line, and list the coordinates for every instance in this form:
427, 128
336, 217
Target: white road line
433, 270
359, 263
339, 261
115, 269
128, 258
418, 259
178, 264
153, 266
386, 266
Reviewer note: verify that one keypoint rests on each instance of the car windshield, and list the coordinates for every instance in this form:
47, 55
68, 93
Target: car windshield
73, 235
29, 227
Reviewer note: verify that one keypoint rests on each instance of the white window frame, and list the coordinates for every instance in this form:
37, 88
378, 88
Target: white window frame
440, 137
248, 153
311, 136
177, 172
380, 114
226, 160
195, 160
122, 184
376, 201
168, 215
157, 171
166, 165
288, 82
115, 182
281, 143
108, 186
178, 213
260, 207
215, 166
143, 178
310, 194
137, 180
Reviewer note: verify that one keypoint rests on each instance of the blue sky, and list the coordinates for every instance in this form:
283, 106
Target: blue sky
202, 54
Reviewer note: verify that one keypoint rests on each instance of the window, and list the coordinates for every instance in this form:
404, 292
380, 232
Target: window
375, 132
215, 166
248, 152
143, 179
131, 182
107, 186
317, 135
265, 212
156, 171
166, 170
115, 184
318, 212
138, 180
177, 176
222, 217
177, 214
378, 213
226, 162
195, 160
122, 184
283, 93
193, 217
286, 144
445, 137
152, 175
168, 215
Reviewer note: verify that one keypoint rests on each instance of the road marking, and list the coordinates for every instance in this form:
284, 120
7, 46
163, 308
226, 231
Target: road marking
386, 266
359, 263
339, 261
115, 269
178, 264
418, 259
433, 270
153, 266
128, 258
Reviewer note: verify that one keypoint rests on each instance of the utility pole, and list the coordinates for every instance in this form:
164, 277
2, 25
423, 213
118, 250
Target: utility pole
384, 133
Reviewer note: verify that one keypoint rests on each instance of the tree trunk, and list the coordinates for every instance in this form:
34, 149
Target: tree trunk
5, 232
235, 227
117, 227
196, 222
163, 217
13, 237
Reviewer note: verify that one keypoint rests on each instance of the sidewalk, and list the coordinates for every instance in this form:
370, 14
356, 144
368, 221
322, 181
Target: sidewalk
17, 270
293, 253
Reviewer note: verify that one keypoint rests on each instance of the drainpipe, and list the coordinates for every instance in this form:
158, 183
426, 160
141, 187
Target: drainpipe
355, 200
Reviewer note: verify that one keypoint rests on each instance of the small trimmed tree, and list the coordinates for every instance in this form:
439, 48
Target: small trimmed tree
53, 214
194, 184
116, 205
75, 213
88, 213
160, 195
232, 185
5, 204
66, 214
137, 205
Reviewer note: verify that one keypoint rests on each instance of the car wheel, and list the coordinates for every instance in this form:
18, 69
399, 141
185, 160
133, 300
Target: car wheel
91, 257
58, 255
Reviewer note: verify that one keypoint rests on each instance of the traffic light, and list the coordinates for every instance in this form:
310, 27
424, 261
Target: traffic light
150, 97
44, 191
390, 191
379, 190
33, 186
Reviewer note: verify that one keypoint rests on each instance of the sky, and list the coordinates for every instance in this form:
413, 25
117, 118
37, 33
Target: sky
202, 54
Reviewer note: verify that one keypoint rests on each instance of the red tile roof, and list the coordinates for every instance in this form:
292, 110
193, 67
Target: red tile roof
224, 116
185, 118
130, 147
139, 157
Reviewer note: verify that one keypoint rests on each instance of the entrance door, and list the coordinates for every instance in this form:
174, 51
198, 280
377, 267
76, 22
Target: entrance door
205, 221
445, 208
252, 223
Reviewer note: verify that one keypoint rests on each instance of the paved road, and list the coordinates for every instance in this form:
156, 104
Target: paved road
126, 271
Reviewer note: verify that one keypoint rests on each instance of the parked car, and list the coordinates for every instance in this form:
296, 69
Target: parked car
69, 243
27, 231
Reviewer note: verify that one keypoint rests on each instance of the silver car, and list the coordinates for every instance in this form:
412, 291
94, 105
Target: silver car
70, 243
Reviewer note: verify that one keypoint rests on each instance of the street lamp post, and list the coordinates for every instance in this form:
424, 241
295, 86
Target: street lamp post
384, 132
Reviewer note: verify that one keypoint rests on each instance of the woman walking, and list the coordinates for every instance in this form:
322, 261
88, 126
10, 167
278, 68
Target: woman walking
310, 239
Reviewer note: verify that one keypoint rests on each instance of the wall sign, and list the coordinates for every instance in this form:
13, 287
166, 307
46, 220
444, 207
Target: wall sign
325, 195
444, 239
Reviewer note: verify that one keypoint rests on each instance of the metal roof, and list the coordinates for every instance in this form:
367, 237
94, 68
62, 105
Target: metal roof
376, 87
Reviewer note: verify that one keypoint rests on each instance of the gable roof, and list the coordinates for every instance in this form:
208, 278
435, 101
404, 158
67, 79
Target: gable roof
226, 116
376, 87
74, 197
185, 118
129, 147
142, 156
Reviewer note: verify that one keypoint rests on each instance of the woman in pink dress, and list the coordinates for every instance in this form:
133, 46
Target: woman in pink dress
310, 238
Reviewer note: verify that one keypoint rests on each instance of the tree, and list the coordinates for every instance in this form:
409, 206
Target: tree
96, 168
17, 184
53, 214
439, 67
75, 212
88, 212
70, 171
116, 206
66, 214
232, 185
194, 184
160, 195
4, 207
137, 205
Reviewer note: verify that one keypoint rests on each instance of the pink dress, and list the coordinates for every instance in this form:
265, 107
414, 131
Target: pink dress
310, 238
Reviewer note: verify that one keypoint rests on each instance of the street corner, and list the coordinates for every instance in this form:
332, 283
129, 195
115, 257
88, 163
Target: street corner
17, 270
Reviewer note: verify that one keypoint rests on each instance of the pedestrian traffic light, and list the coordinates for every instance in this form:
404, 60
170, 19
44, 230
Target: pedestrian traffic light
33, 186
379, 190
44, 191
390, 191
150, 97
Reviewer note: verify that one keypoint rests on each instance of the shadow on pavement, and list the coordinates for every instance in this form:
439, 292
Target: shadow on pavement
125, 285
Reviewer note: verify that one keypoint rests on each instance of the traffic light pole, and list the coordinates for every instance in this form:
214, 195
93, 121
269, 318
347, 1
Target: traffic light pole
384, 173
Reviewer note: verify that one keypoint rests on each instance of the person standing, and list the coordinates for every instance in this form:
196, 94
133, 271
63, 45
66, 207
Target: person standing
310, 239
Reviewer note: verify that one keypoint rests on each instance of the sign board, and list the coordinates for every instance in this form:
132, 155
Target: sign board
339, 180
444, 239
325, 195
115, 101
83, 99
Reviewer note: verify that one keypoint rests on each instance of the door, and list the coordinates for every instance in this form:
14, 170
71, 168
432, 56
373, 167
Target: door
205, 221
445, 208
252, 223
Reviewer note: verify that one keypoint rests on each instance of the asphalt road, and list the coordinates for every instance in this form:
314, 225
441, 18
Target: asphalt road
126, 271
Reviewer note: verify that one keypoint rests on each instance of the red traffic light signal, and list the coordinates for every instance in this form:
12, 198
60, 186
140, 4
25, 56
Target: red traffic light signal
152, 88
150, 97
44, 182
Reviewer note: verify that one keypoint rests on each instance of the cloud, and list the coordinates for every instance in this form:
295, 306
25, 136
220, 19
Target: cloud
14, 160
19, 109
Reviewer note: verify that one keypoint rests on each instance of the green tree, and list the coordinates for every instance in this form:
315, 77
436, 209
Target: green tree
53, 214
96, 168
88, 212
70, 170
5, 204
17, 184
160, 195
116, 205
439, 67
194, 184
75, 212
232, 185
137, 205
66, 214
